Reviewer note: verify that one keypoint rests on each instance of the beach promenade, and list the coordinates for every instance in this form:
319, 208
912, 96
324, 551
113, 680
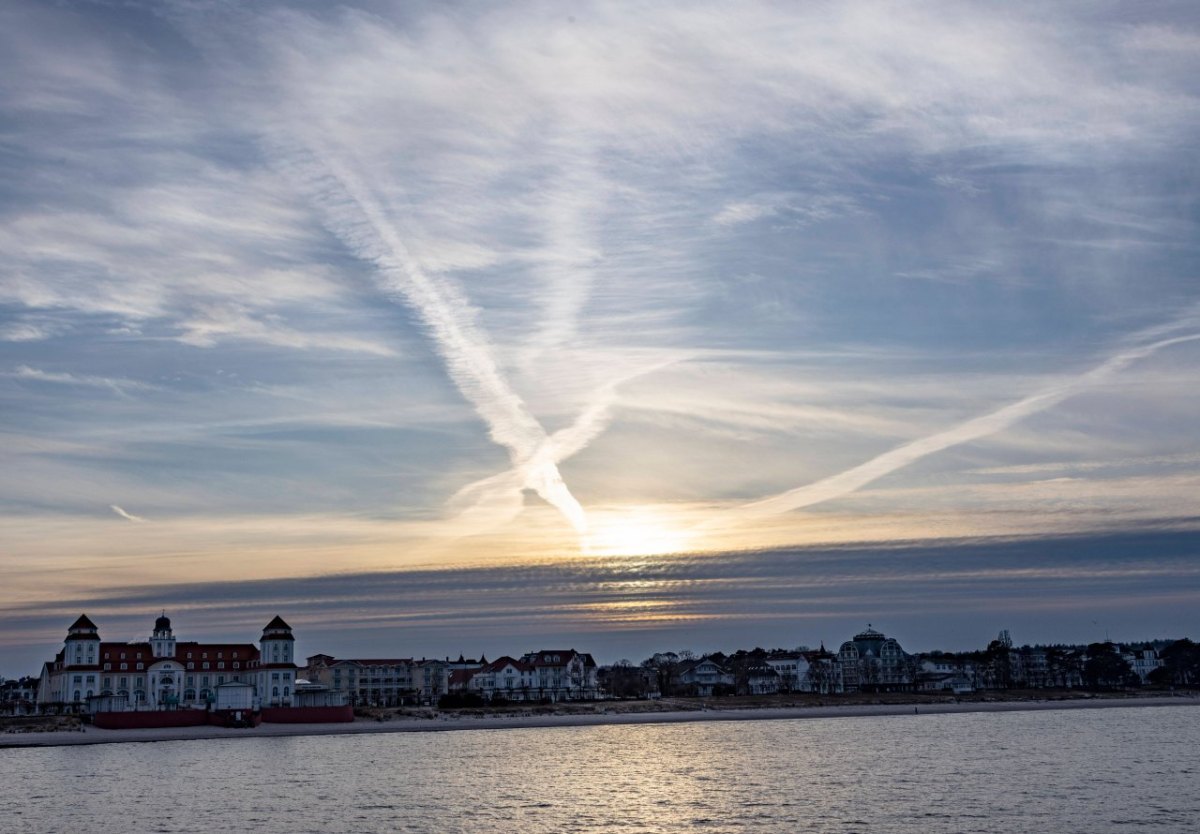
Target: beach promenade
604, 714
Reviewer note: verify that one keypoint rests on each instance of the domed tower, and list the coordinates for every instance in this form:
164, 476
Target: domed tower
277, 667
162, 643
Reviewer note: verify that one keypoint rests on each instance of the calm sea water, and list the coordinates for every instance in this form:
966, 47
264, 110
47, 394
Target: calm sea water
1111, 770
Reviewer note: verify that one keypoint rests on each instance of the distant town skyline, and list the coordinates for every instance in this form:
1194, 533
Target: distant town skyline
459, 326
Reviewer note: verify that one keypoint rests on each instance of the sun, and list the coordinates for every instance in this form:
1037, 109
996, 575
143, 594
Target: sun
637, 533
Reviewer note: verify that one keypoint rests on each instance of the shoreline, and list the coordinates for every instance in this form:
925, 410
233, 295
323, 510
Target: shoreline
450, 723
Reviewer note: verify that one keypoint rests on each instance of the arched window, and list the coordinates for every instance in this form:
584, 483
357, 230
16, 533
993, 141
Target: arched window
286, 690
274, 692
76, 698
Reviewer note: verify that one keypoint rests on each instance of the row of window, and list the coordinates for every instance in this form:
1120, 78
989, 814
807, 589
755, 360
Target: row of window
140, 666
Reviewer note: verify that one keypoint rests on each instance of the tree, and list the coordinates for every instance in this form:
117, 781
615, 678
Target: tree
1000, 663
1181, 664
1105, 669
625, 680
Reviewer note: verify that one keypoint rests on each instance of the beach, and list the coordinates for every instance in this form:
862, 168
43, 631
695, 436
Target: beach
604, 715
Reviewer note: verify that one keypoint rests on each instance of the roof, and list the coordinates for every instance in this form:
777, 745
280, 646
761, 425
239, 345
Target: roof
460, 677
500, 662
277, 623
83, 622
143, 653
370, 661
545, 657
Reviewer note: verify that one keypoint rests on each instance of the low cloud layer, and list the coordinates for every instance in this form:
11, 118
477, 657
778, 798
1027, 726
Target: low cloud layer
952, 594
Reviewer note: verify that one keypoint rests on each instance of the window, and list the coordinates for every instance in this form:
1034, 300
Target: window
189, 657
236, 664
235, 654
141, 666
107, 666
122, 655
205, 665
220, 654
221, 665
78, 679
191, 665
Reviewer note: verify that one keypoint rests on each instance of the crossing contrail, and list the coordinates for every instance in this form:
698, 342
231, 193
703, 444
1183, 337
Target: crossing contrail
356, 215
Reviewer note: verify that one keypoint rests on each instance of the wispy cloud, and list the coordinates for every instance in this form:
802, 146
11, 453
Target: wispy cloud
128, 516
117, 385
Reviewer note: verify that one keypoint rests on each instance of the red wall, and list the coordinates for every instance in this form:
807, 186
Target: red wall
307, 715
142, 720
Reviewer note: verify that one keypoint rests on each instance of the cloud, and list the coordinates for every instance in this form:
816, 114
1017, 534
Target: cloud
851, 480
212, 324
117, 385
126, 515
28, 330
360, 219
496, 500
950, 594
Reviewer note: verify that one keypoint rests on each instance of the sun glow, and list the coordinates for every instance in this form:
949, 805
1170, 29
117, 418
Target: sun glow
638, 533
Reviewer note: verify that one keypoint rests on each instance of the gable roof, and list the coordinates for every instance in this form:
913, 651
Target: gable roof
83, 622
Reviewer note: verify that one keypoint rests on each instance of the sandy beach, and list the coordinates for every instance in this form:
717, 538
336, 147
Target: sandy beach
450, 723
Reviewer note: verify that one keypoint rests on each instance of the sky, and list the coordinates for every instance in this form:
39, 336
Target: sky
465, 327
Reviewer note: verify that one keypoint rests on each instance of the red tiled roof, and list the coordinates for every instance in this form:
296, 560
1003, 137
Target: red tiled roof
460, 677
143, 653
499, 663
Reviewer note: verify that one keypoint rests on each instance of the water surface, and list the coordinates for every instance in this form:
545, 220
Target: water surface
1113, 770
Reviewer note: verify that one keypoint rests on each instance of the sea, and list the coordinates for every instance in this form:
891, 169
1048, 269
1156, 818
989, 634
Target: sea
1086, 771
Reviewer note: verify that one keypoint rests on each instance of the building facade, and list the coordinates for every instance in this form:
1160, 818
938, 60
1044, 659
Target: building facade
873, 662
163, 673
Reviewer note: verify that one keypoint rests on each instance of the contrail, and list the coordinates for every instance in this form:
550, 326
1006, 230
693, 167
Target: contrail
126, 515
496, 500
854, 479
358, 218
